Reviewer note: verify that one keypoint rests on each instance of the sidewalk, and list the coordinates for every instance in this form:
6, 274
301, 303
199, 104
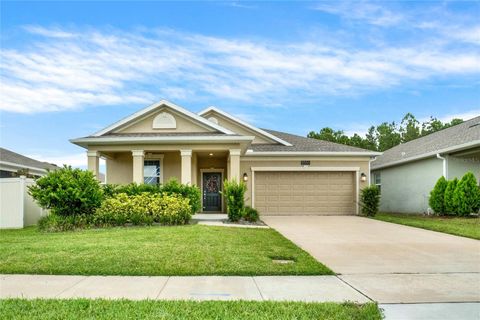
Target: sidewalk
293, 288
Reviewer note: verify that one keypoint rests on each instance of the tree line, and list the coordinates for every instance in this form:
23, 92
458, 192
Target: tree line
385, 135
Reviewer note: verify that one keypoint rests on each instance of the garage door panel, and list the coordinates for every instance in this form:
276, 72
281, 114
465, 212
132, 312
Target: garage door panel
281, 193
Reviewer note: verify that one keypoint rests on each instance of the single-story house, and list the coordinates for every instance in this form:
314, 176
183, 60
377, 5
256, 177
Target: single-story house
13, 164
408, 172
284, 173
17, 172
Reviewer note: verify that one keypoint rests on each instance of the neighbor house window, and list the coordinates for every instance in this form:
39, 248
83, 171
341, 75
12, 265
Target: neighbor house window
152, 172
377, 180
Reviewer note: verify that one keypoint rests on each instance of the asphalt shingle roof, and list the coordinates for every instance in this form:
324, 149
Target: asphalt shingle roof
13, 157
300, 144
468, 131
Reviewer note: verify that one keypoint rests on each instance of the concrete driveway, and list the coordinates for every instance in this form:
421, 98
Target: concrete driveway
387, 262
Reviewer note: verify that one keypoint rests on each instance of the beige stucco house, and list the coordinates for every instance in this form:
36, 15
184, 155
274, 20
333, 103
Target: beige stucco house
284, 173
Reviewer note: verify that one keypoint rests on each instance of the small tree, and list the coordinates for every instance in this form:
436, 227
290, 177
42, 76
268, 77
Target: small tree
437, 196
68, 191
449, 204
234, 193
370, 200
466, 197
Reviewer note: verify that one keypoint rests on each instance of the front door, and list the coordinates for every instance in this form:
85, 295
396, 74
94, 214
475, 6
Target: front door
212, 184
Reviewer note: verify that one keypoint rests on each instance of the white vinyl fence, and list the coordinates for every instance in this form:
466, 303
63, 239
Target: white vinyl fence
17, 208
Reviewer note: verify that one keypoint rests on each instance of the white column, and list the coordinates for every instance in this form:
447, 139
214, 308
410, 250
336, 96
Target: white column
94, 163
138, 156
234, 172
186, 173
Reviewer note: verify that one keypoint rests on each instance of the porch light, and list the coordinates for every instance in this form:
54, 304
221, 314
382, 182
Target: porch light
245, 177
210, 154
363, 177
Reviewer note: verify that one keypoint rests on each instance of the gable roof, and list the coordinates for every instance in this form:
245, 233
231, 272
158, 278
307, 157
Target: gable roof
159, 105
460, 137
299, 144
17, 161
245, 124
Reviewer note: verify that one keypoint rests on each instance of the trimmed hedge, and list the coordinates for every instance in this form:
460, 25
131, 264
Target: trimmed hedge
172, 187
450, 207
370, 200
437, 196
466, 197
122, 209
250, 214
234, 193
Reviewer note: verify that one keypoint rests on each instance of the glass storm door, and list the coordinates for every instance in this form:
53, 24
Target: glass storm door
212, 182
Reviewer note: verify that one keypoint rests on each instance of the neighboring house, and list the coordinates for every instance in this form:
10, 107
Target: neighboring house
17, 208
13, 164
408, 172
285, 173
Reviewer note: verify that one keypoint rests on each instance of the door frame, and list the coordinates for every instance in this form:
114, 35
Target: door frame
221, 171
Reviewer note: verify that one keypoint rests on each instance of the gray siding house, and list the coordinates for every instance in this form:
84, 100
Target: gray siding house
407, 173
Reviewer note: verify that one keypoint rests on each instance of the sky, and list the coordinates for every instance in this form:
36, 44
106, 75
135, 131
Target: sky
68, 69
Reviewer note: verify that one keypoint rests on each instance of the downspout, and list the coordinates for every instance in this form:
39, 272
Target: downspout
445, 165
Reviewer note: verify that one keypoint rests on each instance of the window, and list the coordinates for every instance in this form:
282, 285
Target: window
151, 172
377, 180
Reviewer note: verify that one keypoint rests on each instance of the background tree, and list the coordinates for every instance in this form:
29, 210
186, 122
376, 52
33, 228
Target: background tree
386, 135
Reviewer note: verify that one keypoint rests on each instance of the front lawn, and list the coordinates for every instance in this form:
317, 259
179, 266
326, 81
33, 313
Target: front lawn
465, 227
123, 309
179, 250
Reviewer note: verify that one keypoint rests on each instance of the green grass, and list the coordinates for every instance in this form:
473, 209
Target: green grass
148, 309
465, 227
180, 250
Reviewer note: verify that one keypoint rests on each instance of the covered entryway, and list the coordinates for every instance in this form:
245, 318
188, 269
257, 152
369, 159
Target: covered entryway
305, 192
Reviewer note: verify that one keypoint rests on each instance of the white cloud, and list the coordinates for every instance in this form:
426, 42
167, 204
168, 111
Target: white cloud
371, 13
68, 69
462, 115
74, 160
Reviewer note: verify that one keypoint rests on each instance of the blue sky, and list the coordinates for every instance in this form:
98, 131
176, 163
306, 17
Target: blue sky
69, 69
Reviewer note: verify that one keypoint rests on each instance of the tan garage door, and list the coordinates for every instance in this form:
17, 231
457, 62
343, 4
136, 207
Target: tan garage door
304, 193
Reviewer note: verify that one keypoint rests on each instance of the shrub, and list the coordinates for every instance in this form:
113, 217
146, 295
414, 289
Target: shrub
172, 187
68, 191
437, 196
370, 200
450, 207
56, 223
191, 192
234, 197
143, 209
466, 197
250, 214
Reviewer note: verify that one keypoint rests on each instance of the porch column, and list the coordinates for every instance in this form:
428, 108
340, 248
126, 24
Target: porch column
234, 172
186, 172
138, 156
94, 163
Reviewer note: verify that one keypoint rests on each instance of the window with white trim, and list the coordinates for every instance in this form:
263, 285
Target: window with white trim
152, 171
377, 180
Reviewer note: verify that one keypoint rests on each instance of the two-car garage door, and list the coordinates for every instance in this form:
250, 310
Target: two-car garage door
304, 192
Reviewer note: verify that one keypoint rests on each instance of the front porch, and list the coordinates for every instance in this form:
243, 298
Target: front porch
206, 168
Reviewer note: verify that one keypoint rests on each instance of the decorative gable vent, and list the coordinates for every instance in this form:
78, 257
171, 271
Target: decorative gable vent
164, 120
213, 119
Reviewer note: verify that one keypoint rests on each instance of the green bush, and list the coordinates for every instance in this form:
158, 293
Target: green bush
370, 200
437, 196
450, 207
250, 214
234, 193
187, 191
172, 187
68, 191
466, 197
143, 209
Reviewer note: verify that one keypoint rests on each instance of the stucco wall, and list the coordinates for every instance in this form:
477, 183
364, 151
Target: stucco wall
247, 163
406, 188
457, 167
120, 168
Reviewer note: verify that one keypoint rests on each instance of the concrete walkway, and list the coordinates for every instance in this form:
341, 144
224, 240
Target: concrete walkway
293, 288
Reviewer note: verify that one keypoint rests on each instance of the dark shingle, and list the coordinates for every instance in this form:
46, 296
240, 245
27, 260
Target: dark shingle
466, 132
13, 157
